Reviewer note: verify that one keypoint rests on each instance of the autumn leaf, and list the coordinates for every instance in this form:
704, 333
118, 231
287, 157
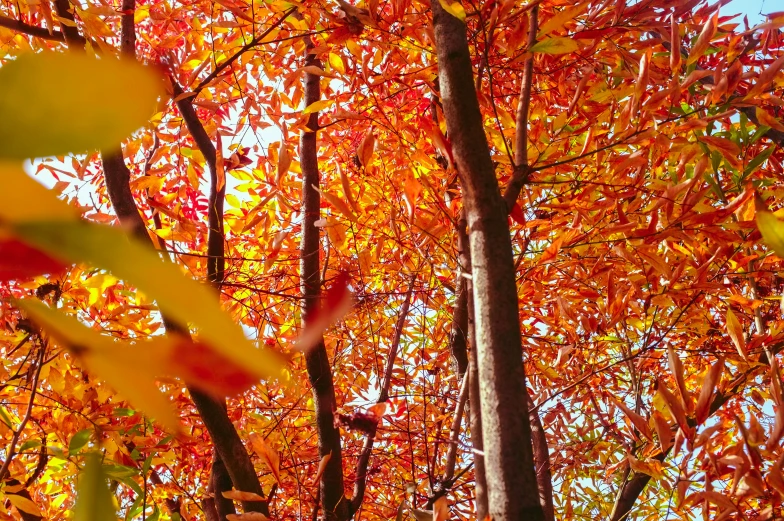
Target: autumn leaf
269, 456
555, 46
441, 509
284, 161
94, 500
322, 466
241, 496
54, 103
366, 148
454, 8
709, 383
318, 106
23, 504
337, 302
735, 330
182, 298
704, 39
247, 516
125, 368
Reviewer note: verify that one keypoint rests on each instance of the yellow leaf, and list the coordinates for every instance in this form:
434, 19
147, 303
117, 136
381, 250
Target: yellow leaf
454, 8
555, 46
316, 71
23, 504
560, 19
347, 189
676, 368
54, 103
735, 330
267, 454
771, 228
25, 199
182, 298
336, 63
318, 106
94, 501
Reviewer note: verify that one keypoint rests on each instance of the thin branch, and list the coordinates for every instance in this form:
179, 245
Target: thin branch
367, 449
10, 451
521, 170
250, 45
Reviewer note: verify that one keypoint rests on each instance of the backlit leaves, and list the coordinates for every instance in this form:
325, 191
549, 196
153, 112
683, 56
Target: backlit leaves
53, 103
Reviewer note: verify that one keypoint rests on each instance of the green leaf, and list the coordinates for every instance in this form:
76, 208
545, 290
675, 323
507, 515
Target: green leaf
94, 500
79, 441
555, 46
758, 160
29, 444
6, 418
55, 103
119, 471
182, 298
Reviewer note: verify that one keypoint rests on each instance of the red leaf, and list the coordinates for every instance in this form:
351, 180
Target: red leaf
20, 261
201, 366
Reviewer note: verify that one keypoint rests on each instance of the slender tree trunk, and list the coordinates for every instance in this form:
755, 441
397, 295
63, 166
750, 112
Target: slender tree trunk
512, 492
332, 495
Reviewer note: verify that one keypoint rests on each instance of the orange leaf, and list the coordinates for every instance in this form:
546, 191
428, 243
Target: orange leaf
241, 496
441, 509
704, 39
674, 406
709, 383
322, 466
663, 431
676, 368
366, 148
735, 330
638, 421
267, 454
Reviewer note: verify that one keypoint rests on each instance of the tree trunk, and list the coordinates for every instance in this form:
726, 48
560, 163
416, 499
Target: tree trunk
332, 496
512, 492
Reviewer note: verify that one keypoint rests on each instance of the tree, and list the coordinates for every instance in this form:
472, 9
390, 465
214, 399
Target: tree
559, 224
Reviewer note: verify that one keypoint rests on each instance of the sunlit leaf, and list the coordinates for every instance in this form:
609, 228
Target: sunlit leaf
54, 103
182, 298
269, 455
555, 46
94, 500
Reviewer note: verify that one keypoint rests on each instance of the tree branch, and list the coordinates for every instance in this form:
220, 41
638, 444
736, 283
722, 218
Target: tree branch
367, 449
245, 48
31, 30
521, 170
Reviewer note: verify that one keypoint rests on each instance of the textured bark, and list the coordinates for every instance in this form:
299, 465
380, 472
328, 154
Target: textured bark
474, 403
458, 344
331, 492
220, 481
544, 476
506, 433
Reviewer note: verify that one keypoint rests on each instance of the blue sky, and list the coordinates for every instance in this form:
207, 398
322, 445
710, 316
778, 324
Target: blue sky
752, 8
